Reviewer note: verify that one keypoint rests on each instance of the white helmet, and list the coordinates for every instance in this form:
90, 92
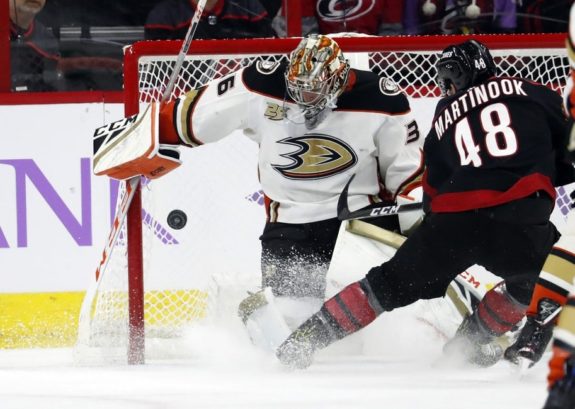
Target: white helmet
316, 74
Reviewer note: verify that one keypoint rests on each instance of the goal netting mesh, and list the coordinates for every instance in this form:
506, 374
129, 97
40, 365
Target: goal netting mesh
201, 270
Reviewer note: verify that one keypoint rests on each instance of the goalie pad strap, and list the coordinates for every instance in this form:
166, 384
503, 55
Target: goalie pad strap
557, 276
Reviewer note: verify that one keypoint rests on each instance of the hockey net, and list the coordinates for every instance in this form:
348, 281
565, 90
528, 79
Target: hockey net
160, 282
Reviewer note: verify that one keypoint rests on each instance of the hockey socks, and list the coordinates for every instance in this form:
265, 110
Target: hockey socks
351, 309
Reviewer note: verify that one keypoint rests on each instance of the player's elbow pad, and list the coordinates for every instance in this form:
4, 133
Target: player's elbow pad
131, 147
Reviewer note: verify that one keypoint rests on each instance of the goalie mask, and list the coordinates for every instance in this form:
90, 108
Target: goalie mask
316, 74
464, 65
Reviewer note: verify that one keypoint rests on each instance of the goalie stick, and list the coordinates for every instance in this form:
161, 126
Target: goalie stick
135, 347
344, 213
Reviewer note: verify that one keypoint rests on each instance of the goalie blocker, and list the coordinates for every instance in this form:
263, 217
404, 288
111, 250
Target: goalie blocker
131, 147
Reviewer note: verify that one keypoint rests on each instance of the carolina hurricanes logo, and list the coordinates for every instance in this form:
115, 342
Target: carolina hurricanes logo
318, 156
343, 10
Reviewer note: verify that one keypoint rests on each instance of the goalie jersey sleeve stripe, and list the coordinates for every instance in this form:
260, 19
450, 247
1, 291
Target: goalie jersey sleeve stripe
370, 93
266, 79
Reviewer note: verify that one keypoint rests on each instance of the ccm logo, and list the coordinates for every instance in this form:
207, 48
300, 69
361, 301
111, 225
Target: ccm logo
384, 211
115, 127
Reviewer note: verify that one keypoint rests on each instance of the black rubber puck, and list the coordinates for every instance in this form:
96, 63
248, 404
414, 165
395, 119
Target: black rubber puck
177, 219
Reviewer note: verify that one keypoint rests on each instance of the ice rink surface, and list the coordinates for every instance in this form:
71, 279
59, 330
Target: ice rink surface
395, 363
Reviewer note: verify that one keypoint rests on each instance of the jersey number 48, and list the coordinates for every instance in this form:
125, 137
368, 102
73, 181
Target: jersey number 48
500, 139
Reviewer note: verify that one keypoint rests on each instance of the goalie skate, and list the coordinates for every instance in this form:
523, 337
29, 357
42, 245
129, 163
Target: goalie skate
534, 336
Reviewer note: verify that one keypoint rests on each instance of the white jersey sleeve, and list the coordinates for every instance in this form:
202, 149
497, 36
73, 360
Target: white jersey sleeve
214, 111
399, 144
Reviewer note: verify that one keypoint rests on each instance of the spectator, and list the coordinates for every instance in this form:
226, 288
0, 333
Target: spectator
221, 19
272, 7
308, 20
540, 16
460, 16
34, 51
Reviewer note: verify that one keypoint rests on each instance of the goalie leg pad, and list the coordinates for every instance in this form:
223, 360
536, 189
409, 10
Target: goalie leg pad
264, 322
131, 147
558, 274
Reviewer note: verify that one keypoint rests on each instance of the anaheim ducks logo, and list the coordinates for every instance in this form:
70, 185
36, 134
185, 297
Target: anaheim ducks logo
318, 156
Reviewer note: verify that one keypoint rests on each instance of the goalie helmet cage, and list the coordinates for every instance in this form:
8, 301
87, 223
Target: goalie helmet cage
407, 60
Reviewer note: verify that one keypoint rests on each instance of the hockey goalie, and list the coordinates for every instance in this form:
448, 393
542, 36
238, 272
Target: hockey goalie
317, 121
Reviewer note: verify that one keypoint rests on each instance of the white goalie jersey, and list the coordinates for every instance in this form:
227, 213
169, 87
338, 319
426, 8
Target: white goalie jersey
370, 133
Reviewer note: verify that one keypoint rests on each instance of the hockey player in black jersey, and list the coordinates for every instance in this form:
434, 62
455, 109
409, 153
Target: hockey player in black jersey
494, 153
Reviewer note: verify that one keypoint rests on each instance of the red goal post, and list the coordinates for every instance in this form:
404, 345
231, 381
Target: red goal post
407, 60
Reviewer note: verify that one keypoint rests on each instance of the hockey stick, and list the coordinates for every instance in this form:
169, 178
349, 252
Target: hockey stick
344, 213
134, 183
185, 47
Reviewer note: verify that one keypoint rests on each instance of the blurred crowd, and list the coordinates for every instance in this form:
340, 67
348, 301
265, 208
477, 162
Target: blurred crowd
77, 44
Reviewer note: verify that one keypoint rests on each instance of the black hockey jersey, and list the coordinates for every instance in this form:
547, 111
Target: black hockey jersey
499, 141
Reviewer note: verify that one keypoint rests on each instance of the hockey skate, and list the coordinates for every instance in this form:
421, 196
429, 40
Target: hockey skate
472, 345
562, 393
534, 336
298, 349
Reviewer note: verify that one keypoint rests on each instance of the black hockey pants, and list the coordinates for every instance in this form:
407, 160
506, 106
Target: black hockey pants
510, 240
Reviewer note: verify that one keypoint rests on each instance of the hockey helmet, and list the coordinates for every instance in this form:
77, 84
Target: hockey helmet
464, 65
316, 74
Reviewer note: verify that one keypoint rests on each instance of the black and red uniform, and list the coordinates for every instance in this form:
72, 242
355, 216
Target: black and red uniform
493, 156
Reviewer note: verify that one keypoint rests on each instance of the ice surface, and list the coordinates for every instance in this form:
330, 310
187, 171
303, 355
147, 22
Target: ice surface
391, 364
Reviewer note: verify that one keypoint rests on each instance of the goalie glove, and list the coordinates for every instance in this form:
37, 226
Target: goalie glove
131, 147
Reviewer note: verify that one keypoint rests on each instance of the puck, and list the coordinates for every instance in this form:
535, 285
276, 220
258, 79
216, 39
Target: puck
177, 219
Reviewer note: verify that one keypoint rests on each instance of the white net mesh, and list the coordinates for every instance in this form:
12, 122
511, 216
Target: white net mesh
218, 190
413, 71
